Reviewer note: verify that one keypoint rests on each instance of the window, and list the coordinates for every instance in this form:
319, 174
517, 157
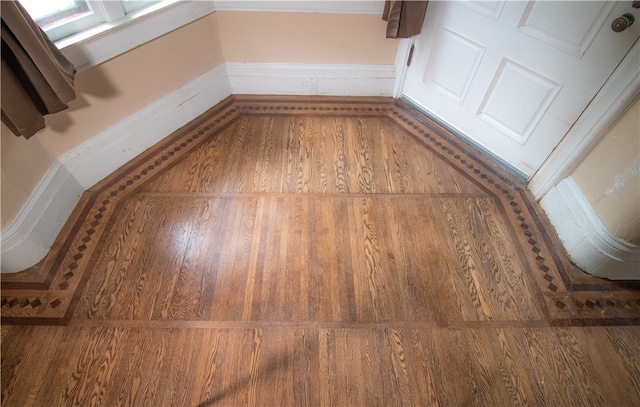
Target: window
91, 32
62, 18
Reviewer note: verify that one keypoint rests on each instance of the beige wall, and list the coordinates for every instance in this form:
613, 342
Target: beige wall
610, 177
24, 163
106, 94
114, 90
304, 38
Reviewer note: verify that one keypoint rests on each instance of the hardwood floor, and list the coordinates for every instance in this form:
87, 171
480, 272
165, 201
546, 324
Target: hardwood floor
314, 251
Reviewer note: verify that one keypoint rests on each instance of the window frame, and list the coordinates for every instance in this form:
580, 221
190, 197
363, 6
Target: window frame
62, 23
93, 46
109, 39
51, 19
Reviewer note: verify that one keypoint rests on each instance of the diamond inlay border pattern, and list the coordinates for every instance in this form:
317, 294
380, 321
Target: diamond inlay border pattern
566, 303
38, 305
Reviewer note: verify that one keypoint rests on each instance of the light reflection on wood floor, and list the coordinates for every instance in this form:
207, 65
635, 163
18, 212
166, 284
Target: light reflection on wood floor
314, 251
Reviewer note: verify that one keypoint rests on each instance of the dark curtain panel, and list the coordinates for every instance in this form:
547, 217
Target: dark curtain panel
36, 78
404, 18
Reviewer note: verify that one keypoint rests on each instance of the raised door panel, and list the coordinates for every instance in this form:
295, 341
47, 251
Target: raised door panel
514, 76
490, 9
517, 99
453, 65
566, 25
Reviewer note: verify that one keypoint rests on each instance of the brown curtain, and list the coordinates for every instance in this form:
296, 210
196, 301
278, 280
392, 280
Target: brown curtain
404, 18
36, 78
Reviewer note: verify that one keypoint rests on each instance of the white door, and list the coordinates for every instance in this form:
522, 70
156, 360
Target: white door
513, 76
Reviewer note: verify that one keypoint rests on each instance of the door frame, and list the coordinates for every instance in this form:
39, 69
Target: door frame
402, 59
611, 101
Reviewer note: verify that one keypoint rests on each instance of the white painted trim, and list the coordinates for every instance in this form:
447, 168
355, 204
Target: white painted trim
104, 153
587, 241
622, 87
304, 6
402, 56
306, 79
98, 44
29, 237
105, 41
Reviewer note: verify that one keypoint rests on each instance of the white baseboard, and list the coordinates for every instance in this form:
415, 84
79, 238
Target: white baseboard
104, 153
311, 79
589, 244
29, 237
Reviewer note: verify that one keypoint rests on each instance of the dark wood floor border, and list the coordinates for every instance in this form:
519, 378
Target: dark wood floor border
128, 187
595, 302
83, 244
508, 191
517, 186
465, 159
78, 251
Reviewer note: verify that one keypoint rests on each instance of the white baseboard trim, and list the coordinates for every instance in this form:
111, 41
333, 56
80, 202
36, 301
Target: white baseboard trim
311, 79
588, 242
101, 155
29, 237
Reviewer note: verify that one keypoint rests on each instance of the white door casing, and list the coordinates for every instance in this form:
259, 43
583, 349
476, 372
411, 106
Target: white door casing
514, 76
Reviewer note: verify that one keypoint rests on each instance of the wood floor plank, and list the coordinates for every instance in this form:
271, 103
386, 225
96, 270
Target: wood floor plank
20, 352
622, 348
312, 154
298, 251
229, 292
276, 258
283, 366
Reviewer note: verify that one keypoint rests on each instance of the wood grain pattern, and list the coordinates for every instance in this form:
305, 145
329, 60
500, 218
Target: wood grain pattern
290, 258
314, 252
321, 366
312, 155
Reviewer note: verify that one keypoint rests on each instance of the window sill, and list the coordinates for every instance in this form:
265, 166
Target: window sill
105, 41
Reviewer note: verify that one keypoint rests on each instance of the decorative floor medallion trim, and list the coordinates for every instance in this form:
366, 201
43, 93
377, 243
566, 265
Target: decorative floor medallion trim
569, 297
